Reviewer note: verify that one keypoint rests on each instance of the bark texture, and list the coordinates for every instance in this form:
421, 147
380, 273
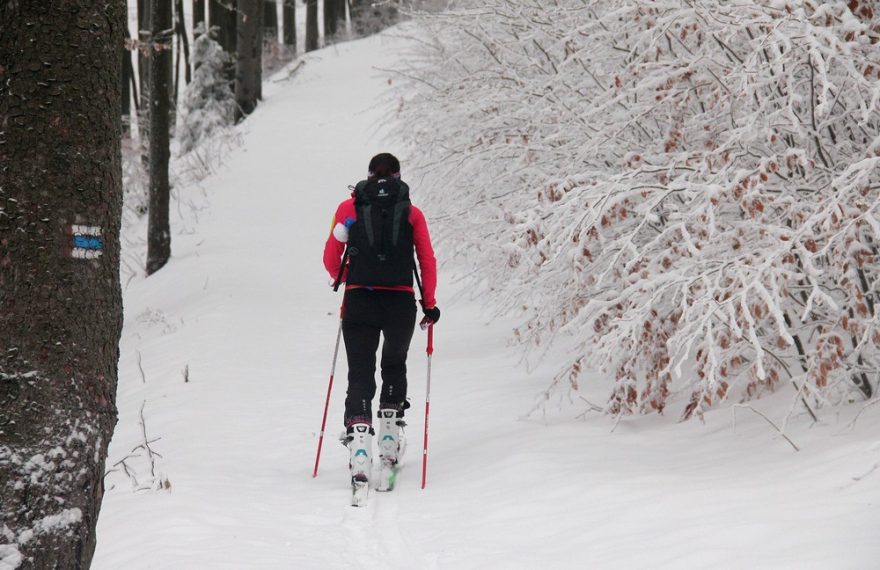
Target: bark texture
60, 316
158, 230
248, 65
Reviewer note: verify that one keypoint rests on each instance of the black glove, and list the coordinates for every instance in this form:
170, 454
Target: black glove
432, 314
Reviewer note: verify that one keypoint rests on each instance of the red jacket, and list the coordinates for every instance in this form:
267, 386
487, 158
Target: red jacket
334, 249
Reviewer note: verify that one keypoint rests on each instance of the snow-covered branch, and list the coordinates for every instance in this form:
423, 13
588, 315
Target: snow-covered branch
669, 182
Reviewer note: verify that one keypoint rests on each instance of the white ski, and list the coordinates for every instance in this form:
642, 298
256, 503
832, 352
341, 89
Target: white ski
360, 491
387, 476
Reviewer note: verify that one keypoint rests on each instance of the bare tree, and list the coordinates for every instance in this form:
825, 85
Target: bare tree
331, 19
158, 230
270, 21
60, 298
312, 25
222, 16
248, 65
198, 16
183, 49
288, 16
129, 86
144, 13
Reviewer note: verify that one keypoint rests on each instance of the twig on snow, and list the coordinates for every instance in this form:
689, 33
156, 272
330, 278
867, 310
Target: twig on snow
769, 421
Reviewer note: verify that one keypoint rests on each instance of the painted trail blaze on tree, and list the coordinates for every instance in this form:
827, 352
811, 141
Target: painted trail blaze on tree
60, 300
694, 186
86, 242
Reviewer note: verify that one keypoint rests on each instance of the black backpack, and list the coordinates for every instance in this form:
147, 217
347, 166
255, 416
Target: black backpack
380, 242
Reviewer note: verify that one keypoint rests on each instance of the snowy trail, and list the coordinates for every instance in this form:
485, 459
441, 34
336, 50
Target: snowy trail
244, 305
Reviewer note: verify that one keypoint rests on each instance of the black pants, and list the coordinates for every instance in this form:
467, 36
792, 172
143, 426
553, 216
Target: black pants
366, 314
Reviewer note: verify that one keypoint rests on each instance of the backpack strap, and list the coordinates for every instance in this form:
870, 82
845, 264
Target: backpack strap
367, 212
399, 210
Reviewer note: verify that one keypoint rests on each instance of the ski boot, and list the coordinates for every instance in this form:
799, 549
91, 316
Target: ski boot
359, 440
390, 448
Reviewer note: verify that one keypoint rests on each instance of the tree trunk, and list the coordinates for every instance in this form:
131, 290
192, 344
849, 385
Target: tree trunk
270, 21
311, 25
248, 65
158, 230
184, 43
60, 298
288, 15
231, 25
144, 27
216, 14
223, 15
330, 19
127, 70
198, 16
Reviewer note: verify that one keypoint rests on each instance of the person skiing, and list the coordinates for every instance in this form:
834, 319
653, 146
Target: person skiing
371, 248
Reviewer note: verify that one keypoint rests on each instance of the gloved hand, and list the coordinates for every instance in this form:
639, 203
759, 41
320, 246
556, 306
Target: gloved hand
432, 314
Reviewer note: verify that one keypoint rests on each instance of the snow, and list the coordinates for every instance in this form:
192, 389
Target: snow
10, 557
244, 307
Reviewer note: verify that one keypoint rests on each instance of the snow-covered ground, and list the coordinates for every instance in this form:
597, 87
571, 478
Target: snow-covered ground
244, 311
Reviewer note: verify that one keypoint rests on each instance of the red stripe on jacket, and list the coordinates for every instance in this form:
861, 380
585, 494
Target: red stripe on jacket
334, 249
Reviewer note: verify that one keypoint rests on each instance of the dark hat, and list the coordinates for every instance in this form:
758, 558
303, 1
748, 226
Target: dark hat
384, 165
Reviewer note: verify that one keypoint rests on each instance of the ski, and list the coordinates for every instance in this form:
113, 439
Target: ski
387, 476
360, 491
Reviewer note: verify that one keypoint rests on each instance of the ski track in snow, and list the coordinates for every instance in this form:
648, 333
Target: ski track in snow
254, 322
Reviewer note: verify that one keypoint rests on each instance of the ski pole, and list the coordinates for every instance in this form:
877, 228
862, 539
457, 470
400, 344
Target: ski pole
426, 323
430, 351
338, 281
329, 389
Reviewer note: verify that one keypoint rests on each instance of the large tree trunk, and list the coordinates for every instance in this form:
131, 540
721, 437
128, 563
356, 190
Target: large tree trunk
288, 15
248, 65
311, 25
60, 299
270, 21
158, 230
330, 19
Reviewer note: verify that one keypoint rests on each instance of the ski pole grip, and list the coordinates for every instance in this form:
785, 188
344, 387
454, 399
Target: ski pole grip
430, 349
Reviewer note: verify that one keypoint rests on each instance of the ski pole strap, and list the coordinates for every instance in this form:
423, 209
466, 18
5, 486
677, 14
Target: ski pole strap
341, 271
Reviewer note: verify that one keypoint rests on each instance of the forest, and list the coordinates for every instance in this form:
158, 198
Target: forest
656, 225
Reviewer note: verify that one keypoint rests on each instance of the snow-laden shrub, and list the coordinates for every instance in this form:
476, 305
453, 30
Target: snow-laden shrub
208, 105
686, 191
